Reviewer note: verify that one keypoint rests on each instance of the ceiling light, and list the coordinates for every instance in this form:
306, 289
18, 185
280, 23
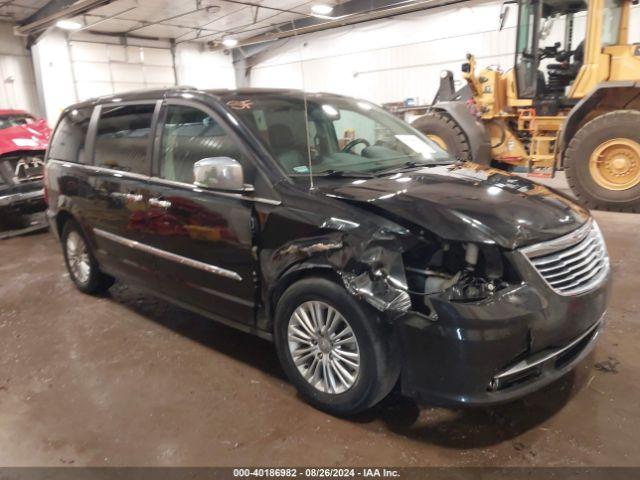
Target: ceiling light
229, 42
68, 25
322, 9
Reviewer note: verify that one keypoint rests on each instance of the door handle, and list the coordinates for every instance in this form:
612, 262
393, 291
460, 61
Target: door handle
127, 197
156, 202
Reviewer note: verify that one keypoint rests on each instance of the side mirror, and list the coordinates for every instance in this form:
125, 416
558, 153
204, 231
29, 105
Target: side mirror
221, 173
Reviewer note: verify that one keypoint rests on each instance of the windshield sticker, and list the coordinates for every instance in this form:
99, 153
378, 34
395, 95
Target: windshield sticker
417, 145
240, 104
301, 169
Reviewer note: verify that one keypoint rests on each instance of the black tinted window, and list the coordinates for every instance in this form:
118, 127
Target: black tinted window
123, 138
190, 135
68, 143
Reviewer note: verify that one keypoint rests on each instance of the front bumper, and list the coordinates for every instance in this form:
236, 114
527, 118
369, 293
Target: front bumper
24, 200
22, 203
500, 349
22, 213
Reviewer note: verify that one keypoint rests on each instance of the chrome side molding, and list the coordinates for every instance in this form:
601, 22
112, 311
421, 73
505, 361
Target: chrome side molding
223, 272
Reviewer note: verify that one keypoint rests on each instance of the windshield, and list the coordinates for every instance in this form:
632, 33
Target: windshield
7, 121
335, 135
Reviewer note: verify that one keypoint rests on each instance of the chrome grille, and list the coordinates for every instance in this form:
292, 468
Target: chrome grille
574, 263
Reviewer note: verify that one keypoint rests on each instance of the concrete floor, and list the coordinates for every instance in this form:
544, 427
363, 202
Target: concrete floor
126, 379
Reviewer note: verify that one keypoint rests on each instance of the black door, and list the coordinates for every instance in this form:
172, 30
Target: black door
203, 237
120, 182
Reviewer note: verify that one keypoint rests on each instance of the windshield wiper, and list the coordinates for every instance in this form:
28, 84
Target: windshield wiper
410, 165
344, 173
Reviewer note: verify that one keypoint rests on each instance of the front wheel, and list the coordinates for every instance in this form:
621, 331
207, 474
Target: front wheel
336, 355
603, 162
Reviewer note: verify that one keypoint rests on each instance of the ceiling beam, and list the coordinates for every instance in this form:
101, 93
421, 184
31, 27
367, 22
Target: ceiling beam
347, 14
56, 10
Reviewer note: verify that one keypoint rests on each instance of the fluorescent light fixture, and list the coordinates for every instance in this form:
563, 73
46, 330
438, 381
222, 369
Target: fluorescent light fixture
321, 9
68, 25
229, 42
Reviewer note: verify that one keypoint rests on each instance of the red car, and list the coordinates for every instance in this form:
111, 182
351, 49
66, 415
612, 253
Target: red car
23, 141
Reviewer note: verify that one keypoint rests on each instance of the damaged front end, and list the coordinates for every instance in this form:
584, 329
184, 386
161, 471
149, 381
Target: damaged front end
462, 311
394, 269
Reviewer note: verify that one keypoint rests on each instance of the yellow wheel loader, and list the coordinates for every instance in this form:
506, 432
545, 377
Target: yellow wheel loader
571, 102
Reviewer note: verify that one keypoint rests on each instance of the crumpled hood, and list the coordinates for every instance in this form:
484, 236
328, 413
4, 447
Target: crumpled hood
467, 202
24, 137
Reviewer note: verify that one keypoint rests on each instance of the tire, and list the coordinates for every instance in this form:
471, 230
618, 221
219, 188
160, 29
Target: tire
379, 367
443, 126
621, 124
83, 269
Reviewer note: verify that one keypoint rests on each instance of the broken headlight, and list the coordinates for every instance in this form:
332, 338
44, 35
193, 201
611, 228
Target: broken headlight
459, 271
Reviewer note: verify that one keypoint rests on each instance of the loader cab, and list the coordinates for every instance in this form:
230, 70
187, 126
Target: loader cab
555, 39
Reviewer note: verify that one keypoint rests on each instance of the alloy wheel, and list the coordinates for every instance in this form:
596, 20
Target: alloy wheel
78, 257
323, 347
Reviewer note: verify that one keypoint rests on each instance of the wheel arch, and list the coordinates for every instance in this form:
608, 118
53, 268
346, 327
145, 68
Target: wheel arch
62, 217
296, 273
606, 97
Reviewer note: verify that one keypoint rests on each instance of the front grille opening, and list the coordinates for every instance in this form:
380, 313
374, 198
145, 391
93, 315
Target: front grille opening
22, 168
575, 267
570, 354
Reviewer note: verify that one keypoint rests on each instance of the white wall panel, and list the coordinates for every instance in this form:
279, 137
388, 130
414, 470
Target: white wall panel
17, 80
94, 89
160, 75
200, 68
101, 69
91, 72
54, 75
156, 56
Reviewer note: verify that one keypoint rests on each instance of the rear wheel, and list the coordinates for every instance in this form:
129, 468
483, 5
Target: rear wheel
81, 264
337, 355
603, 162
444, 131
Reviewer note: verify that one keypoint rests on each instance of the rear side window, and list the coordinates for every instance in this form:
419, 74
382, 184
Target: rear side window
123, 138
68, 142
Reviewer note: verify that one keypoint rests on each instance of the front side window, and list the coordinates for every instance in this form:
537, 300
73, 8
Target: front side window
123, 138
329, 134
68, 142
190, 135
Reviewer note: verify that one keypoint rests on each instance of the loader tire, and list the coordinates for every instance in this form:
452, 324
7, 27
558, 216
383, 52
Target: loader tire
602, 162
442, 129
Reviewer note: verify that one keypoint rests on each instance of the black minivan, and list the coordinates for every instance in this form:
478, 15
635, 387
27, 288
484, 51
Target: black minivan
365, 252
